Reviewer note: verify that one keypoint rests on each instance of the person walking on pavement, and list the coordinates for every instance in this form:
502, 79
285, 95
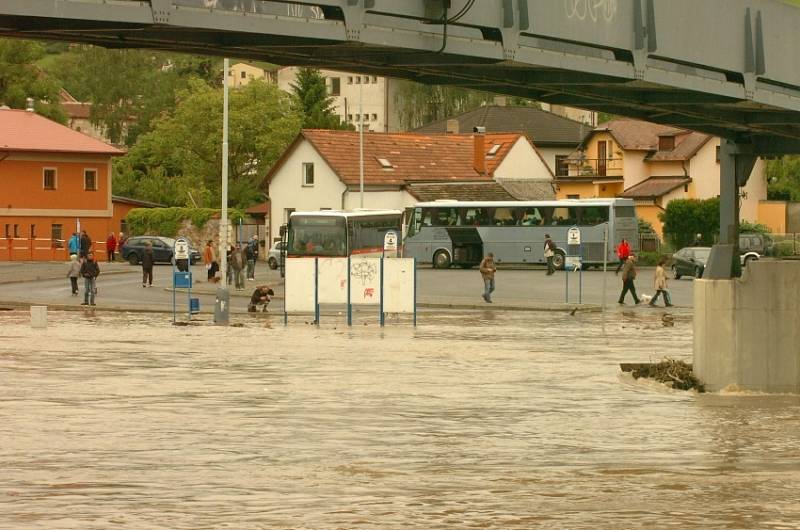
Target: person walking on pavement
210, 261
148, 260
628, 276
86, 244
237, 266
488, 268
111, 247
74, 244
549, 253
73, 272
623, 251
252, 256
660, 284
90, 270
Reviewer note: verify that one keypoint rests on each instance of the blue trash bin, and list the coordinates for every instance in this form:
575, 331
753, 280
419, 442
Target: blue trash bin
194, 305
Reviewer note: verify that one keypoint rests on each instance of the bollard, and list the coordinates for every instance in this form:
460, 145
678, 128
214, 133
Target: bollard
39, 316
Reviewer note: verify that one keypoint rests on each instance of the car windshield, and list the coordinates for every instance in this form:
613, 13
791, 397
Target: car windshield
701, 254
168, 240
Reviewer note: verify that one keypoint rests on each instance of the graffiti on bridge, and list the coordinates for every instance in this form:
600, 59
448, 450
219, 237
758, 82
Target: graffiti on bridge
594, 10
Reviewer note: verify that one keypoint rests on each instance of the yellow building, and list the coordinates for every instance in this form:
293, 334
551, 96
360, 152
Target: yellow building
652, 164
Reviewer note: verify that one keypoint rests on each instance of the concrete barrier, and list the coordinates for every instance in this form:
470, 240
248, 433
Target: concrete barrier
38, 316
747, 330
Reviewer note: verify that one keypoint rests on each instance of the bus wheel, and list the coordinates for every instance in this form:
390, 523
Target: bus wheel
559, 260
441, 260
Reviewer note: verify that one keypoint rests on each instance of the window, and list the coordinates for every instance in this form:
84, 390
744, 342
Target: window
16, 231
8, 231
123, 226
349, 117
243, 75
385, 164
374, 79
358, 79
336, 86
56, 232
573, 196
308, 173
562, 166
374, 117
494, 149
90, 179
666, 143
350, 80
33, 232
49, 178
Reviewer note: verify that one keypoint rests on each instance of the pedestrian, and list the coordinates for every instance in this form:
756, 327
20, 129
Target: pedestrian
86, 244
229, 271
260, 298
628, 276
549, 253
111, 247
73, 272
488, 268
90, 270
210, 261
660, 284
121, 241
74, 244
252, 257
237, 266
148, 260
623, 251
698, 240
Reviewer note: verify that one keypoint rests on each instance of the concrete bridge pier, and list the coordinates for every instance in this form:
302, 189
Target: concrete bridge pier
747, 330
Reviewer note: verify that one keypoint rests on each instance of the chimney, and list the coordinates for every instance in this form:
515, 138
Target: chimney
29, 105
479, 153
452, 127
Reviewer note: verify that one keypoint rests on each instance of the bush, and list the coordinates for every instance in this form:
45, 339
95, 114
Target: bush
747, 227
167, 221
648, 259
784, 248
684, 218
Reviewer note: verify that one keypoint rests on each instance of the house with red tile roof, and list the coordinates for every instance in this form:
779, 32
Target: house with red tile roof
321, 170
54, 181
653, 165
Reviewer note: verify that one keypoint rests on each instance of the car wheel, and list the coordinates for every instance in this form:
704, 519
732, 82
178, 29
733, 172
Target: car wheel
675, 273
441, 260
559, 260
273, 263
698, 272
133, 259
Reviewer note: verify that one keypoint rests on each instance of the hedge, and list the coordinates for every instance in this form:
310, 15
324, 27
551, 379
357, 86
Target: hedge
167, 221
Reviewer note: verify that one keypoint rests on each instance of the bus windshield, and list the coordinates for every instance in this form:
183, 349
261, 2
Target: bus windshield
317, 236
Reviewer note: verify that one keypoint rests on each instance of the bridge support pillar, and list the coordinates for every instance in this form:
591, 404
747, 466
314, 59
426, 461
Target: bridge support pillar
747, 330
736, 161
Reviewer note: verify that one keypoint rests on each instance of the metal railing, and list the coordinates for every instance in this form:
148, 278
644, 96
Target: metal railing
595, 167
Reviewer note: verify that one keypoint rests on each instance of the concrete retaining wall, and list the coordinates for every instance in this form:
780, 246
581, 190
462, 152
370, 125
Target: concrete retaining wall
747, 330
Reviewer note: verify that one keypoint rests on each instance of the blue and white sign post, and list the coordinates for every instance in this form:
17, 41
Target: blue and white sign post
573, 260
181, 279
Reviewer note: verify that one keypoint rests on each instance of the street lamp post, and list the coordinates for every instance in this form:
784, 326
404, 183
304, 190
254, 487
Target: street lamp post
222, 303
360, 122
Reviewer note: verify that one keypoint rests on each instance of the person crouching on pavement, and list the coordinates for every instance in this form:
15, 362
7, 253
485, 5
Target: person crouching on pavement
628, 276
487, 268
73, 272
90, 270
260, 298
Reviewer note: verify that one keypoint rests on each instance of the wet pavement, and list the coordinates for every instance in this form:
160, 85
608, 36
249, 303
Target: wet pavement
481, 419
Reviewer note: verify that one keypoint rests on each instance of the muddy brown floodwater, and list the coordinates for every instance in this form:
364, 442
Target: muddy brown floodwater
472, 420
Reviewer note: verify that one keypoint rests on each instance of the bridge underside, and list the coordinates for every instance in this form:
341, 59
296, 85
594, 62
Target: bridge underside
744, 106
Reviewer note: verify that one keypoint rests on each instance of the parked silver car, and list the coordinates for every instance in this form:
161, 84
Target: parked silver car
274, 255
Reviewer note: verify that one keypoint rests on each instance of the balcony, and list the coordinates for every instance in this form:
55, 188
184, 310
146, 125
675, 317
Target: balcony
595, 167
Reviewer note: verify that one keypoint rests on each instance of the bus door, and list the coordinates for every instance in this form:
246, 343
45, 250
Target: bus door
467, 245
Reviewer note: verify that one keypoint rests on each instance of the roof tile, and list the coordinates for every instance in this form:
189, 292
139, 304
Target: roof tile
22, 130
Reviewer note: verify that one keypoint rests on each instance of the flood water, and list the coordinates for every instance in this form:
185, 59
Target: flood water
472, 420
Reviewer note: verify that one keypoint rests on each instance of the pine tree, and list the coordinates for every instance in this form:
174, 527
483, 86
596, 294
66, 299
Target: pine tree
314, 103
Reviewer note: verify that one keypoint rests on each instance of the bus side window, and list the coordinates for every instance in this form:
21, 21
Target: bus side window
546, 215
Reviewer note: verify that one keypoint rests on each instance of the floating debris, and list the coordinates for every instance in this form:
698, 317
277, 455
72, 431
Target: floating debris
677, 374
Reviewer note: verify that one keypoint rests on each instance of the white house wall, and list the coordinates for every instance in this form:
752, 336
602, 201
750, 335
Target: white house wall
522, 161
286, 188
549, 154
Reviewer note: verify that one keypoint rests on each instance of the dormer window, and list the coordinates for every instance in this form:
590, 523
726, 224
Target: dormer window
493, 151
385, 164
666, 143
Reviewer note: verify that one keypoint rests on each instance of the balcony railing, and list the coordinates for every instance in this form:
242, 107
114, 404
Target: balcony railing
595, 167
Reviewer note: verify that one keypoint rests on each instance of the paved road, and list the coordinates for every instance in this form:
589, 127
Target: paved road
120, 287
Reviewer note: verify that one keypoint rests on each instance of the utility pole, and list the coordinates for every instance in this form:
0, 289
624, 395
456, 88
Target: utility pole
360, 122
221, 307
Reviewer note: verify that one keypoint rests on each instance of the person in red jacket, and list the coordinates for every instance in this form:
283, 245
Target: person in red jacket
111, 247
623, 251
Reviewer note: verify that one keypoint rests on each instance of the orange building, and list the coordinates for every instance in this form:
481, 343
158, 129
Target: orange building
53, 181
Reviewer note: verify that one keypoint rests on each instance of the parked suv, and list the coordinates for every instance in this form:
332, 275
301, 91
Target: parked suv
133, 249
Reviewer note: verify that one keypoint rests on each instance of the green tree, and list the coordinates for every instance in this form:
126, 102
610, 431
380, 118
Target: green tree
20, 79
418, 104
178, 162
783, 177
685, 218
313, 102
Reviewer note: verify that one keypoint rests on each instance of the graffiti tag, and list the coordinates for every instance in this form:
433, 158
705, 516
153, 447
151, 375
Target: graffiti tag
593, 10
